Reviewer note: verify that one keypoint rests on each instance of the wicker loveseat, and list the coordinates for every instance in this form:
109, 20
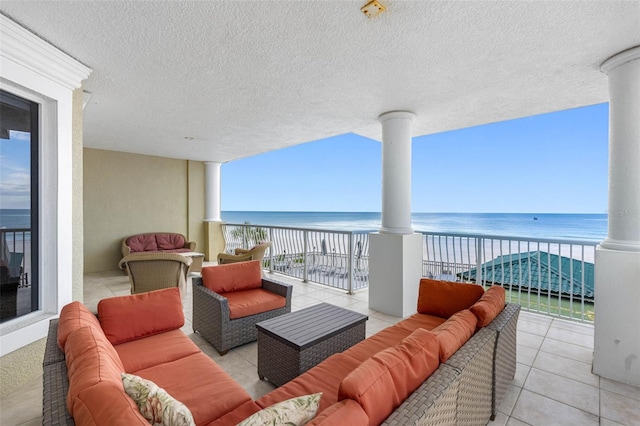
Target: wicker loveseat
464, 389
168, 242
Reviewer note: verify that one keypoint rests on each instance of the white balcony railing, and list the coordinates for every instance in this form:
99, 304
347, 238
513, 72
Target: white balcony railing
554, 277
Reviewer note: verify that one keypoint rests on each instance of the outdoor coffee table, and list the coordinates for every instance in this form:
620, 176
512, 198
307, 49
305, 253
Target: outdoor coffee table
291, 344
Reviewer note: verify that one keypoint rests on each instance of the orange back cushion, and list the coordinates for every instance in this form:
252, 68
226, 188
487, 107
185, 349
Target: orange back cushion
489, 306
445, 298
90, 360
73, 316
232, 276
107, 404
345, 412
454, 332
127, 318
382, 382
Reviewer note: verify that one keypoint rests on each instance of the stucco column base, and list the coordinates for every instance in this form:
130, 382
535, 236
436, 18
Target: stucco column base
617, 318
214, 243
395, 269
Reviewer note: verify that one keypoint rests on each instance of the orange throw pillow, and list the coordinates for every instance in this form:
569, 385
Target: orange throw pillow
489, 306
454, 332
127, 318
232, 276
445, 298
384, 381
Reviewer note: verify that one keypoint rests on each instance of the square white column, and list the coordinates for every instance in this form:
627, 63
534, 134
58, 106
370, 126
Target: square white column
395, 269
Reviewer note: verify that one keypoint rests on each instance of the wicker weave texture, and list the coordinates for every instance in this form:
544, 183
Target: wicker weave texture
280, 363
434, 403
474, 360
505, 328
211, 316
55, 383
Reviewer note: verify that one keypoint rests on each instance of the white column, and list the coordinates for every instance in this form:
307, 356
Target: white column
617, 289
212, 191
395, 253
396, 172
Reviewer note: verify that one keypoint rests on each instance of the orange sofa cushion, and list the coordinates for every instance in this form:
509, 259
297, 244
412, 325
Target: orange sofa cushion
237, 415
250, 302
232, 276
90, 360
445, 298
159, 349
426, 321
489, 306
73, 316
203, 386
384, 381
127, 318
390, 336
454, 332
345, 412
107, 404
324, 377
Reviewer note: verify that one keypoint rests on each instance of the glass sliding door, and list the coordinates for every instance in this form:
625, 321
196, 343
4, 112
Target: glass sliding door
19, 289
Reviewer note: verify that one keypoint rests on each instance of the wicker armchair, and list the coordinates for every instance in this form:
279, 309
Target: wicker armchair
153, 271
211, 314
243, 255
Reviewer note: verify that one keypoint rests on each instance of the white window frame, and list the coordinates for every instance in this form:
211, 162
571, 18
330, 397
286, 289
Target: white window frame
35, 70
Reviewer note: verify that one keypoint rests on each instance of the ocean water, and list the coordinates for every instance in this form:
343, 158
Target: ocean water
588, 227
591, 227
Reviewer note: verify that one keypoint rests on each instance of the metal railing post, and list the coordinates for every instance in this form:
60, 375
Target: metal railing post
350, 266
305, 270
271, 250
479, 245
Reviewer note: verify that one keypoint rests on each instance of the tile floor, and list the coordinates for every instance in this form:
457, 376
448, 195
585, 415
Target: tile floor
553, 383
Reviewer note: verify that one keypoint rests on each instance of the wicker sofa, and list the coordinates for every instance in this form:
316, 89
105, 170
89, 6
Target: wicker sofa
465, 389
168, 242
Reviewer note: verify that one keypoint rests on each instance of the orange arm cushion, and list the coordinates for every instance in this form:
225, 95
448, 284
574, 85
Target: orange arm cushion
489, 306
454, 332
384, 381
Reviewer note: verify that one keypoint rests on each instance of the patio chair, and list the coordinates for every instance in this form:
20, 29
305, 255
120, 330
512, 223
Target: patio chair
156, 270
229, 300
244, 255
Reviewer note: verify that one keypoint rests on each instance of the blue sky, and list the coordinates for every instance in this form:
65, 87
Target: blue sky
15, 171
550, 163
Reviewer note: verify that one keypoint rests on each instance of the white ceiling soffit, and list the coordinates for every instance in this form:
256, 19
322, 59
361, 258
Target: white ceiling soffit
246, 77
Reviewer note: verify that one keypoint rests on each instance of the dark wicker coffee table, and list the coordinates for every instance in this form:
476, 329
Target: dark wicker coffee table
291, 344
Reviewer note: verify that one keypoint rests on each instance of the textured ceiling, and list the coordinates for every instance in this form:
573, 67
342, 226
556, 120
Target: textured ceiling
243, 78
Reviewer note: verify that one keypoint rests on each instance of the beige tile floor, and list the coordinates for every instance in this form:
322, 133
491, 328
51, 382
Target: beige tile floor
553, 384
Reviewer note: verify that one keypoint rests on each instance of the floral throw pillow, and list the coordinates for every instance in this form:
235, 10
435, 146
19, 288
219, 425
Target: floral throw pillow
295, 411
155, 404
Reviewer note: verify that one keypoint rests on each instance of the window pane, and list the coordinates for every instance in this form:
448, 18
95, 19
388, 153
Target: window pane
18, 205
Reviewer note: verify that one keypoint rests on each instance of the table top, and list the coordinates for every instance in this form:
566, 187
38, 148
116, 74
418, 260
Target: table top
306, 327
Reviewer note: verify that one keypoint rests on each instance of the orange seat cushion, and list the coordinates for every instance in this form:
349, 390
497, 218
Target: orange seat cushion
158, 349
237, 415
232, 276
454, 332
325, 377
250, 302
127, 318
345, 412
380, 341
73, 316
415, 321
203, 386
489, 306
384, 381
445, 298
90, 359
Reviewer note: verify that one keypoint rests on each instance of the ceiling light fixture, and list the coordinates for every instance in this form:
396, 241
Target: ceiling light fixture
373, 9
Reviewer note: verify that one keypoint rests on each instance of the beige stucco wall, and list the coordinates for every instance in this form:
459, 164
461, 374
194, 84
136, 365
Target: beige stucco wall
25, 364
127, 194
